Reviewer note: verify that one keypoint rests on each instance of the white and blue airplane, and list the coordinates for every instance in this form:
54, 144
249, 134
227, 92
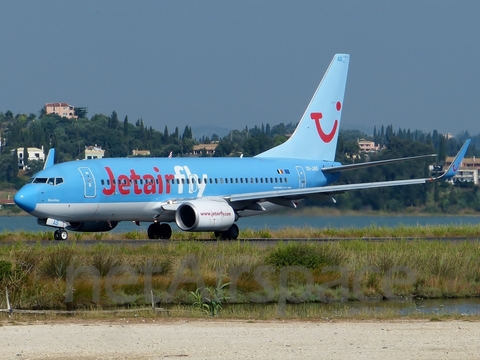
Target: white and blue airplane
204, 194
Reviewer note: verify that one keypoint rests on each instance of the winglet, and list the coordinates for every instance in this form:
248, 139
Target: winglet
455, 165
50, 158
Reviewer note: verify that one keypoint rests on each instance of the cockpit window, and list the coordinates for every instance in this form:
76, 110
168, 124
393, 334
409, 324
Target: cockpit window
39, 180
49, 181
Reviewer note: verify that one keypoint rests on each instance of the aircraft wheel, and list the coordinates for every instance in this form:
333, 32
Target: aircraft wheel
60, 235
63, 235
217, 234
231, 233
153, 231
165, 231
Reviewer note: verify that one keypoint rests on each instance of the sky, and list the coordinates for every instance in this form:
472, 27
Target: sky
415, 64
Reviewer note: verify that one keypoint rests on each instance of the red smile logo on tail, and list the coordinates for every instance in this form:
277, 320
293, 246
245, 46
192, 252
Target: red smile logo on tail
316, 116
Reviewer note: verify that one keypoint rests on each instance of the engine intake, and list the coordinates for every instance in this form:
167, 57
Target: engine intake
204, 215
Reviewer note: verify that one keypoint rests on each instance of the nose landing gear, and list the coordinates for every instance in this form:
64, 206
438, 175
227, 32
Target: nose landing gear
60, 235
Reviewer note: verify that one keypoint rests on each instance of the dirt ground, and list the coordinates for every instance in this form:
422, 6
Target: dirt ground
204, 339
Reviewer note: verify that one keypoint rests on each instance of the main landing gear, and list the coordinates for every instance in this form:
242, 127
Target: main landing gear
164, 231
230, 234
159, 231
60, 235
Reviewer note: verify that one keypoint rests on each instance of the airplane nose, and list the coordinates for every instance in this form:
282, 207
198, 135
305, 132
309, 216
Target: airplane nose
25, 198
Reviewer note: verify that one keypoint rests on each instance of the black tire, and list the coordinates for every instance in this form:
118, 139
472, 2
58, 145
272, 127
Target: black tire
231, 233
63, 235
153, 231
165, 231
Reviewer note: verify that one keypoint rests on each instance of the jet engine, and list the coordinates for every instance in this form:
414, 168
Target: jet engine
92, 226
204, 215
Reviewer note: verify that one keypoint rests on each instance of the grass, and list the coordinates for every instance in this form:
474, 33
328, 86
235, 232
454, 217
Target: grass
67, 275
452, 231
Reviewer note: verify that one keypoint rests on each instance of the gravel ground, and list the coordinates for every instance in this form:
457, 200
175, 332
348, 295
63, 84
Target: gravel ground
160, 339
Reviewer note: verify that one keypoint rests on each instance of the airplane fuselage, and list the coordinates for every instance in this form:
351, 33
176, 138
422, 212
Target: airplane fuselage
132, 189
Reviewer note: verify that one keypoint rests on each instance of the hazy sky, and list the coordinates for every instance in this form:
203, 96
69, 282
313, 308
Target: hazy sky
414, 64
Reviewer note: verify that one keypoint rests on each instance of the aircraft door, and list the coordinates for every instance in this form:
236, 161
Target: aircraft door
193, 183
89, 188
302, 181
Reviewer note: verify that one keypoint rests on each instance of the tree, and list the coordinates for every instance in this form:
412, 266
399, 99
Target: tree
81, 112
125, 126
113, 120
25, 157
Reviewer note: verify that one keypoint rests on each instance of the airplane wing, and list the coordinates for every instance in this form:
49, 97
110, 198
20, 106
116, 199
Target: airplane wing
349, 167
286, 196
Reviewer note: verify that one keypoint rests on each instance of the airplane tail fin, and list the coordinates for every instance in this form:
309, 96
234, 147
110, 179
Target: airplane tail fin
317, 132
50, 158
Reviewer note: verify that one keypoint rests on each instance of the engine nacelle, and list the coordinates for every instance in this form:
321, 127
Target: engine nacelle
204, 215
92, 226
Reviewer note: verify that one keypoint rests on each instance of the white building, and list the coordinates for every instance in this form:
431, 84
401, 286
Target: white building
34, 154
468, 171
94, 152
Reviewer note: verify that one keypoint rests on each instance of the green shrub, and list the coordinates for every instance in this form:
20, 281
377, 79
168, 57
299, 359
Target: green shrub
5, 269
296, 254
57, 261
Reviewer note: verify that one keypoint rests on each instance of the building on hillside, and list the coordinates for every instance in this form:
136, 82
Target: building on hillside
137, 152
94, 152
367, 146
468, 169
61, 109
209, 149
34, 154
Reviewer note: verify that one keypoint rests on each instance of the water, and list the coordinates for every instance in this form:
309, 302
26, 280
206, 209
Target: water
274, 222
464, 307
